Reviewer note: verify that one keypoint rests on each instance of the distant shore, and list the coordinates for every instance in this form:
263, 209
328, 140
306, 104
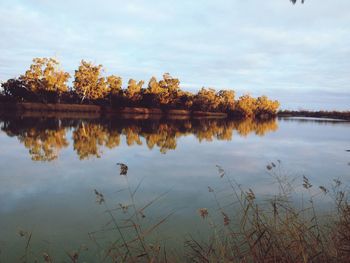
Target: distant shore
343, 115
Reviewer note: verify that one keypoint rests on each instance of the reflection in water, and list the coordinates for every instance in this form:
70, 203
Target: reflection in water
313, 120
45, 137
44, 145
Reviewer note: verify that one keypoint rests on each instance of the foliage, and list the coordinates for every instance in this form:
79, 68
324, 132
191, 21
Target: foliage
44, 75
44, 82
206, 100
275, 229
246, 105
134, 90
88, 82
15, 89
265, 106
165, 92
114, 84
226, 100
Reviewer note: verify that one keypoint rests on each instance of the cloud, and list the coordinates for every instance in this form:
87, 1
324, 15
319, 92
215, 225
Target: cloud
245, 45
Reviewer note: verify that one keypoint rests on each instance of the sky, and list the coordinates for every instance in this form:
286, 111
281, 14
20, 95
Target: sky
298, 54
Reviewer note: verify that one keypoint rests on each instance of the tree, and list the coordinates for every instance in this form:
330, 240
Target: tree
114, 89
88, 82
185, 100
206, 100
165, 92
169, 84
227, 100
266, 106
44, 75
16, 89
114, 84
246, 106
44, 81
153, 86
133, 92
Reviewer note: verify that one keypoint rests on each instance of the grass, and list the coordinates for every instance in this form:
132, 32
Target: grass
277, 230
247, 228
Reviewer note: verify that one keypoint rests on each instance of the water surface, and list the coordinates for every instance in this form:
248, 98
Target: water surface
49, 168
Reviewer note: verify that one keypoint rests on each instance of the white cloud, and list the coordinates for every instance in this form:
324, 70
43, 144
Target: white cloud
247, 45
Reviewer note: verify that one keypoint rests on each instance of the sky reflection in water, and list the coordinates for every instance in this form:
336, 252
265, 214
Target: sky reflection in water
49, 167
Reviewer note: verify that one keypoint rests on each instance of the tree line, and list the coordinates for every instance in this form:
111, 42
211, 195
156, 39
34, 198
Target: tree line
46, 82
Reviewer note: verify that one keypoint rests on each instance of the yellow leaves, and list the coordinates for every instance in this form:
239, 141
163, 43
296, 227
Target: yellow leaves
153, 86
114, 84
207, 100
246, 105
134, 90
169, 84
166, 91
266, 105
249, 106
88, 82
45, 75
226, 100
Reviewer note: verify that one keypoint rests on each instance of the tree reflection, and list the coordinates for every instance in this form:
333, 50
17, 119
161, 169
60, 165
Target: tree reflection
260, 128
45, 138
44, 145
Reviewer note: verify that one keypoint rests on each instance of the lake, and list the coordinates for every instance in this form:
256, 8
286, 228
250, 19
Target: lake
50, 168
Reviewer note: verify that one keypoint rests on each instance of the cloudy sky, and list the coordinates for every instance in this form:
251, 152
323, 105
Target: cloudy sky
299, 54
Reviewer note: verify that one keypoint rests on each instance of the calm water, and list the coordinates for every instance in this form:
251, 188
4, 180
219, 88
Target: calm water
50, 167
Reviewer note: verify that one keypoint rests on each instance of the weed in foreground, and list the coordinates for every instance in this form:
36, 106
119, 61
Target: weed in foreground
249, 229
276, 230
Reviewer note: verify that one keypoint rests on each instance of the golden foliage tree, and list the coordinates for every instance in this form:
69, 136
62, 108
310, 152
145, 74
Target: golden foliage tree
45, 80
153, 86
266, 106
114, 84
45, 75
166, 91
226, 100
246, 105
207, 100
88, 82
133, 92
169, 84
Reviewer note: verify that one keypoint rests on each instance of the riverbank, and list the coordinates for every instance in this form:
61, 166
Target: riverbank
96, 110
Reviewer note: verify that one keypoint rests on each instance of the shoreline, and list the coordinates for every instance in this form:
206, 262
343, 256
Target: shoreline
96, 110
